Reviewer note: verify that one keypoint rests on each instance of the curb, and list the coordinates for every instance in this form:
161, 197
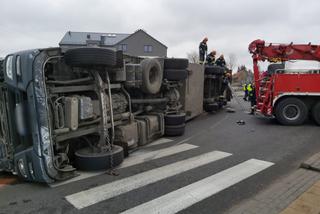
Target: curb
280, 195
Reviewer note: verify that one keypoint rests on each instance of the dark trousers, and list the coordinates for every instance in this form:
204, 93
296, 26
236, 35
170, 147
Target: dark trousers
201, 56
245, 95
253, 102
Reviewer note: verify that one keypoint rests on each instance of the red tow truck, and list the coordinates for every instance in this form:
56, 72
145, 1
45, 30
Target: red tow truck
289, 95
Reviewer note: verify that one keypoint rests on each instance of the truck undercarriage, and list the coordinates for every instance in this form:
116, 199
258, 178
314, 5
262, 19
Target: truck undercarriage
86, 108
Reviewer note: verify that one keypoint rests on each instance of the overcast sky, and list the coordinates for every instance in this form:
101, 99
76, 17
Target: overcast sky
230, 25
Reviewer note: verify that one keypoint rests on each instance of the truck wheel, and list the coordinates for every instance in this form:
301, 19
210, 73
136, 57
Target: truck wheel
86, 159
175, 74
177, 130
152, 75
119, 59
291, 111
316, 113
176, 63
175, 119
90, 56
214, 70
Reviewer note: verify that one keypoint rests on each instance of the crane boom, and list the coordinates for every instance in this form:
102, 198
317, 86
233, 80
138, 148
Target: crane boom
262, 51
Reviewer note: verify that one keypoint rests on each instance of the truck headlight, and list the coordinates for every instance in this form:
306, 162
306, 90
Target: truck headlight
9, 67
22, 168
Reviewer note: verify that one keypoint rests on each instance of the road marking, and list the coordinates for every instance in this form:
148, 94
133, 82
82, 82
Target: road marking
183, 141
180, 199
158, 142
100, 193
152, 155
134, 159
83, 175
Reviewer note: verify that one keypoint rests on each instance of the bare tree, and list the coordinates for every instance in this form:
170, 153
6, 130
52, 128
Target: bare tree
232, 61
193, 57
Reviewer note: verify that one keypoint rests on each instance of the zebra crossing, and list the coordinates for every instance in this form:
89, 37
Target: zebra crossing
178, 199
140, 156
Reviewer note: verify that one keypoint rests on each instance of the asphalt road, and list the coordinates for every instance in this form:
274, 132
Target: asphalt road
187, 187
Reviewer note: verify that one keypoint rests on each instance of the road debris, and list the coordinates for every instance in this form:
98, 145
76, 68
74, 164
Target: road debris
241, 122
230, 110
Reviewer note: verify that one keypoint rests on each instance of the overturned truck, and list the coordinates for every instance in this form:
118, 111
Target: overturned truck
64, 111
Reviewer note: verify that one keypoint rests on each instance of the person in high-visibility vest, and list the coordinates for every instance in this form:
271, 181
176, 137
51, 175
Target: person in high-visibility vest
252, 96
245, 98
249, 88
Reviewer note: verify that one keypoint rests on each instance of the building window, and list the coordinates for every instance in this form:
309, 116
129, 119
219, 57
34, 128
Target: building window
123, 47
148, 48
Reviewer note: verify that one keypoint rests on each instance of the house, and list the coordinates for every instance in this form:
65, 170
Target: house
139, 43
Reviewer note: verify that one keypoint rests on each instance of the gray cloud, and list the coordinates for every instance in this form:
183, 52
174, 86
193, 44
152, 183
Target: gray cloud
230, 25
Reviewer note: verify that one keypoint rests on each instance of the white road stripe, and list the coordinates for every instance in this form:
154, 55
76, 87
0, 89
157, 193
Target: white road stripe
180, 199
83, 175
151, 155
100, 193
134, 158
158, 142
185, 140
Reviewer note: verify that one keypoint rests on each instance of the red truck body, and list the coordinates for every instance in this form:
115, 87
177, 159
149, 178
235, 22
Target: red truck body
289, 95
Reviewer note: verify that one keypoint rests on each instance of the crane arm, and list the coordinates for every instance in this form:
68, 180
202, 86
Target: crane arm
262, 51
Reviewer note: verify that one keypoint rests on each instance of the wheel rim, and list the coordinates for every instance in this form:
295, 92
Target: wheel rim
291, 112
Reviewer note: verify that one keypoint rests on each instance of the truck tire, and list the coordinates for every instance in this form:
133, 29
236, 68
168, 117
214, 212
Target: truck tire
152, 75
90, 56
175, 74
119, 59
291, 111
177, 130
214, 70
175, 119
316, 113
176, 63
86, 159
